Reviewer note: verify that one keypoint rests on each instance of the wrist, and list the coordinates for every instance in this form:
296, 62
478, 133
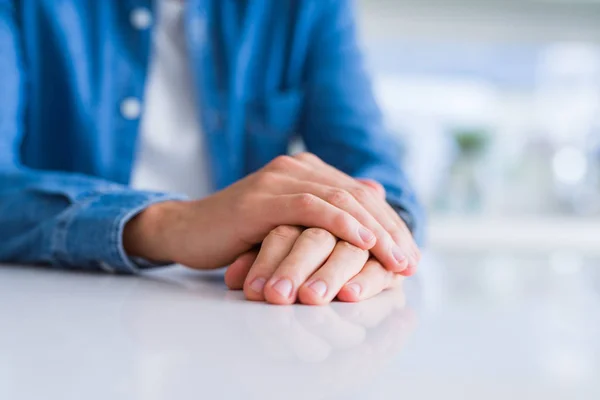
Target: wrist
149, 235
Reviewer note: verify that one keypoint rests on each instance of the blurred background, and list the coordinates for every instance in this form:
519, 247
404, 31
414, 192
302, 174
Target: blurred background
497, 105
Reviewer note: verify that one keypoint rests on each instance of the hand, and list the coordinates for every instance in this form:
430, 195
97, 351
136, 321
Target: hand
299, 191
311, 266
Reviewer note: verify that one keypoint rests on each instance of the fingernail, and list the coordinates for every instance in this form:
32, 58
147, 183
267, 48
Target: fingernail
398, 255
355, 287
319, 287
258, 284
283, 287
365, 234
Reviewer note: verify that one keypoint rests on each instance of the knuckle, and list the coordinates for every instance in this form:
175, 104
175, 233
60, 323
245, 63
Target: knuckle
350, 248
306, 157
339, 197
285, 232
342, 221
317, 234
361, 194
280, 163
377, 186
265, 179
377, 190
305, 201
372, 264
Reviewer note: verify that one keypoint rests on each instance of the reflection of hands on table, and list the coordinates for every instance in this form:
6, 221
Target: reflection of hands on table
318, 334
194, 330
338, 348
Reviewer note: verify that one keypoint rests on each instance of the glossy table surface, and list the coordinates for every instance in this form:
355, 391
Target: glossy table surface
469, 326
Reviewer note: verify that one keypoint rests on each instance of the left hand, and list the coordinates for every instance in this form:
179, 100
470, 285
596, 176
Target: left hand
311, 266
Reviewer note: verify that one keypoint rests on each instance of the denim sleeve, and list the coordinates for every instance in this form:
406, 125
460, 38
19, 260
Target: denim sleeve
68, 220
62, 219
342, 122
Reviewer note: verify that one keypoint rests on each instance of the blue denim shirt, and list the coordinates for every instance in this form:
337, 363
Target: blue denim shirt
265, 71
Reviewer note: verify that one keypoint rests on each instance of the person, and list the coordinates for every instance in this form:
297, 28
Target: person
136, 134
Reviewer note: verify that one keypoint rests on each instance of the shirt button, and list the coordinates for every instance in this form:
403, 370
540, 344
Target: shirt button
131, 108
141, 18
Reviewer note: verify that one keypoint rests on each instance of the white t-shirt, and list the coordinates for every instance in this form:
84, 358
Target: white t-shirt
171, 153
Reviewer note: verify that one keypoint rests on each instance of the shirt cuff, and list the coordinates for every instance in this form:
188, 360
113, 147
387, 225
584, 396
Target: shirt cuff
90, 234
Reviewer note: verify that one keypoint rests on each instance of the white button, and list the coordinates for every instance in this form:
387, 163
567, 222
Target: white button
141, 18
131, 108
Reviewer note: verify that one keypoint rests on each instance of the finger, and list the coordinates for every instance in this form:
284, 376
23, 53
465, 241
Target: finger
413, 252
276, 246
343, 200
396, 255
328, 172
375, 186
311, 211
308, 254
414, 255
372, 280
344, 263
397, 252
236, 274
411, 270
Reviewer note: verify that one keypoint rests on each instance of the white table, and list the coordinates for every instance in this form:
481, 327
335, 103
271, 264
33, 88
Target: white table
470, 326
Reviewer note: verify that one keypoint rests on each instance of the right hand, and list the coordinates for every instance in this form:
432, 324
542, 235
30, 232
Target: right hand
300, 190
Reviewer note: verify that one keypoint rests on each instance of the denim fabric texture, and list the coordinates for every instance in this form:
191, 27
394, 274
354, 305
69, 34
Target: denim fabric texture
265, 73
